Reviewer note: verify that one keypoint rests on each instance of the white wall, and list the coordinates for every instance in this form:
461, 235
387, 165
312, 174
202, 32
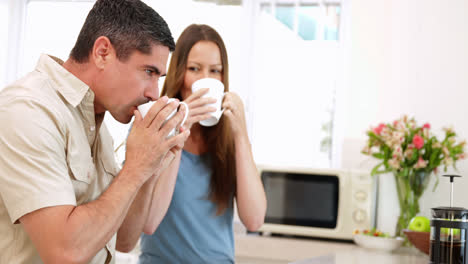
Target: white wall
406, 57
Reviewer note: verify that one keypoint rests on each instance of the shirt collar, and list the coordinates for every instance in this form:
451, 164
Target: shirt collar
68, 85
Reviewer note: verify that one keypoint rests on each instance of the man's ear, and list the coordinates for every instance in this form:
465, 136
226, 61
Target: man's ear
103, 52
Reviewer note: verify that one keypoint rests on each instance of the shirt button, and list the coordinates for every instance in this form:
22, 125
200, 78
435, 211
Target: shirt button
92, 128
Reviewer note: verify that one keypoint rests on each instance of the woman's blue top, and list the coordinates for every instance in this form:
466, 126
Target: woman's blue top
191, 232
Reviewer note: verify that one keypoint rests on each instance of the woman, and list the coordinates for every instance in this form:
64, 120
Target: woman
214, 168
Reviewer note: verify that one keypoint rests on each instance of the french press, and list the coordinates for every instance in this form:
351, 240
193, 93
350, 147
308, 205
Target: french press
449, 226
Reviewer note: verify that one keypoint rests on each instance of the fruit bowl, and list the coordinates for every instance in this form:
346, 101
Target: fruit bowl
419, 239
379, 243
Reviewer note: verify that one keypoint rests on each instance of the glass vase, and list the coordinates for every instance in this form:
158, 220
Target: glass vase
410, 186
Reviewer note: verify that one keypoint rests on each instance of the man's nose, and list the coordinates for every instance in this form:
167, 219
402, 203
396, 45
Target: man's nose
152, 92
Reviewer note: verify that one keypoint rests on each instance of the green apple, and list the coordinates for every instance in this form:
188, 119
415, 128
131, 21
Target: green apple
446, 231
420, 223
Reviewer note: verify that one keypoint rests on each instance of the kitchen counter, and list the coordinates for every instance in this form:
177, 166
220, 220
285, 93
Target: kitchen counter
255, 249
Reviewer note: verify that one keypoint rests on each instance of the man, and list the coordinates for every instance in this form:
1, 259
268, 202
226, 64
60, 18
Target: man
62, 196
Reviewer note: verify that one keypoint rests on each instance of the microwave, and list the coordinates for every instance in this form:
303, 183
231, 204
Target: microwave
323, 203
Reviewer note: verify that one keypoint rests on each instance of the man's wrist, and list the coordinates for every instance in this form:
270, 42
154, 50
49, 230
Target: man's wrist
132, 175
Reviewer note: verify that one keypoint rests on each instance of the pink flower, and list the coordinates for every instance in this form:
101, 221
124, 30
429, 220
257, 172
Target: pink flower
420, 164
418, 141
378, 129
427, 125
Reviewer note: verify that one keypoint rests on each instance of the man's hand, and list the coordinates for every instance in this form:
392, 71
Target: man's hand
137, 216
149, 150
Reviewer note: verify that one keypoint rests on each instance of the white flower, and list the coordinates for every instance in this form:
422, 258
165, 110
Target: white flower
451, 140
394, 163
448, 129
400, 127
409, 153
448, 161
366, 150
426, 133
420, 164
397, 153
445, 151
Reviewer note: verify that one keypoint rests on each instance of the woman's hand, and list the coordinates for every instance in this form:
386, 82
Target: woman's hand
234, 111
198, 107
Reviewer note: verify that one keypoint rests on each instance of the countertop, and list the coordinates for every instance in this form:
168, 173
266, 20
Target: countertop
256, 249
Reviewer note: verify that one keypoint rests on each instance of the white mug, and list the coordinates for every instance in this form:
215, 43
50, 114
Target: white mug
144, 108
216, 91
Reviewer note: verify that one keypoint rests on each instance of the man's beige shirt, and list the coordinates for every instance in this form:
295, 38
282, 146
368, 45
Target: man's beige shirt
52, 153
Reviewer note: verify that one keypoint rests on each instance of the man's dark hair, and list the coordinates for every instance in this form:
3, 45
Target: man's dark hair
129, 24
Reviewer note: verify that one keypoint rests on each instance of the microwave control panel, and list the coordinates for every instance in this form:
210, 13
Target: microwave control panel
362, 195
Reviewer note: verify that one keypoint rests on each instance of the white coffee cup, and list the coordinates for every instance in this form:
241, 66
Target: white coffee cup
144, 108
216, 91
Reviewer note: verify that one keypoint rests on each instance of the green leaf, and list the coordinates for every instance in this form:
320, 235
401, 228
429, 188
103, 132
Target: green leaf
378, 155
387, 153
384, 171
434, 155
375, 169
414, 157
436, 183
406, 172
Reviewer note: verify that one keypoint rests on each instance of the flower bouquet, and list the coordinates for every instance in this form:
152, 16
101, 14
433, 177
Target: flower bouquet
412, 153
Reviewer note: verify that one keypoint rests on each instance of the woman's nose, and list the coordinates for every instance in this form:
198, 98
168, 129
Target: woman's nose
206, 74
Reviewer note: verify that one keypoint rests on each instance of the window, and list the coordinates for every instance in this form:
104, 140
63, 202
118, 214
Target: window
310, 20
296, 61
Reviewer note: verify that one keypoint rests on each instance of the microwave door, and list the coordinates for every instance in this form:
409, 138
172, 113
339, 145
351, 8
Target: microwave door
301, 199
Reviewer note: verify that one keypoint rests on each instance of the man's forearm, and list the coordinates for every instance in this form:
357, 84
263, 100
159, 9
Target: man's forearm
79, 232
92, 225
131, 228
162, 196
151, 203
